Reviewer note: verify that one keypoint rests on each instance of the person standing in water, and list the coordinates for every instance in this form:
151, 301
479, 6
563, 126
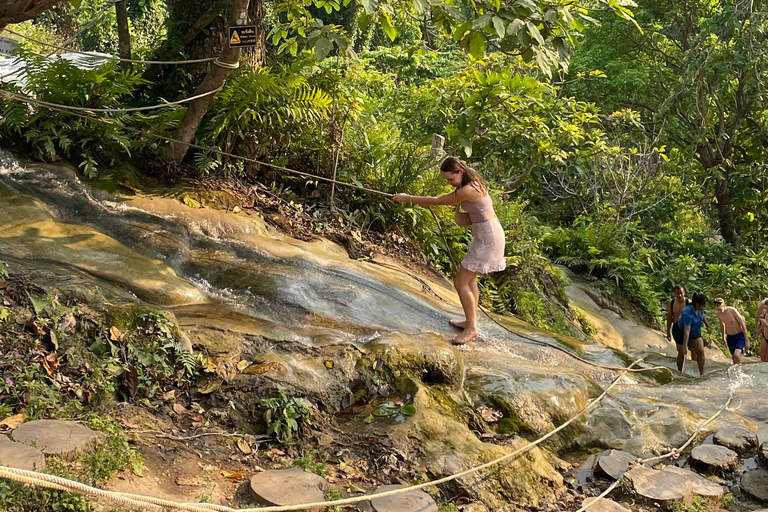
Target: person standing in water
733, 329
690, 322
674, 308
761, 329
485, 253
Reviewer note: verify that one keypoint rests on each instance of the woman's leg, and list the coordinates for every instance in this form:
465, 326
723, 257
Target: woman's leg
466, 283
476, 292
764, 349
698, 348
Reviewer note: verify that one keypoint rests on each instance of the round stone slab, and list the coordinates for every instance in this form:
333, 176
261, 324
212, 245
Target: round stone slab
292, 486
614, 463
714, 458
739, 439
411, 501
603, 505
755, 483
672, 483
20, 456
57, 437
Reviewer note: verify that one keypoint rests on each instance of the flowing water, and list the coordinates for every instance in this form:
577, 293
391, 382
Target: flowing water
237, 286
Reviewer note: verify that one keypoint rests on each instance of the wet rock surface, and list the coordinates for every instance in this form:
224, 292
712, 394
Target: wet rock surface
615, 463
288, 487
603, 505
714, 458
57, 437
755, 483
20, 456
762, 454
739, 439
671, 484
411, 501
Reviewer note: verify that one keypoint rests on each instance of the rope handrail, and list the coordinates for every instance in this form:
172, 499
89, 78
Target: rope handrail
26, 99
56, 482
13, 96
672, 453
108, 57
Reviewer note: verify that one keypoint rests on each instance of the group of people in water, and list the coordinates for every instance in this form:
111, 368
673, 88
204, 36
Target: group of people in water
474, 208
686, 316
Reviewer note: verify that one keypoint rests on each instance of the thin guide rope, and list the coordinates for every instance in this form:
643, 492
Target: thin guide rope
47, 480
108, 57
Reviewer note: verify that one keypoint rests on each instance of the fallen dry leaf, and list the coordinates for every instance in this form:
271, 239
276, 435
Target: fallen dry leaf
210, 387
234, 475
169, 395
50, 363
180, 409
242, 365
67, 322
128, 424
14, 421
244, 447
116, 335
36, 329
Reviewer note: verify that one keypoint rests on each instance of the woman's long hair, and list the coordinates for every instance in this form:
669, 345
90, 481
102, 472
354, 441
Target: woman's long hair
699, 299
453, 165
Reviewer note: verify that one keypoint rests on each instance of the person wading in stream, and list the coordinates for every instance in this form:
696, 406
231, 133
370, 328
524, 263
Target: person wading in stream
761, 329
486, 251
690, 322
674, 308
733, 329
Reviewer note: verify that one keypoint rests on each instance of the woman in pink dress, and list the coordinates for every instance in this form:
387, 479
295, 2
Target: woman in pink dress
486, 251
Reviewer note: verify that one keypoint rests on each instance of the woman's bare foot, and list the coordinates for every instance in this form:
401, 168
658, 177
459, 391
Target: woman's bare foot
465, 337
459, 324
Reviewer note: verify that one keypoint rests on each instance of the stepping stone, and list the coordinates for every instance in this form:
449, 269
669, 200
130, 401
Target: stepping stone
58, 437
20, 456
714, 458
755, 483
411, 501
603, 505
762, 454
739, 439
294, 486
614, 463
671, 484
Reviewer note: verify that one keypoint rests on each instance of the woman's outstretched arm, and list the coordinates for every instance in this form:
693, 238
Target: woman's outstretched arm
465, 193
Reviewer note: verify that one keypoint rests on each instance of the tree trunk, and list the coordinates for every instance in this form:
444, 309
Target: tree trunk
123, 34
193, 31
213, 80
727, 222
16, 11
208, 43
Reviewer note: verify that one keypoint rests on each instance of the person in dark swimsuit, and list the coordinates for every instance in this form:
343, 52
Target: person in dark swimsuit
674, 309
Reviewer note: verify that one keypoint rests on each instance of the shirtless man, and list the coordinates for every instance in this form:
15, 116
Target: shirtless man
761, 329
674, 308
733, 329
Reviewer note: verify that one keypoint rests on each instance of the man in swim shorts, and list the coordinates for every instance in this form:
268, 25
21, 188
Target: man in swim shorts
733, 329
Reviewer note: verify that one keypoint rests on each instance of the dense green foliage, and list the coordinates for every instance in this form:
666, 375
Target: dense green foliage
646, 156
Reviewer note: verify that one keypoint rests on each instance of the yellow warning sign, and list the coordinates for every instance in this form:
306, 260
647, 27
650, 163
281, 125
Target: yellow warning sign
243, 35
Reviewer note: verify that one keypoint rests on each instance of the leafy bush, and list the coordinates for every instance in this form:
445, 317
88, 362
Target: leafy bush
51, 135
284, 413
